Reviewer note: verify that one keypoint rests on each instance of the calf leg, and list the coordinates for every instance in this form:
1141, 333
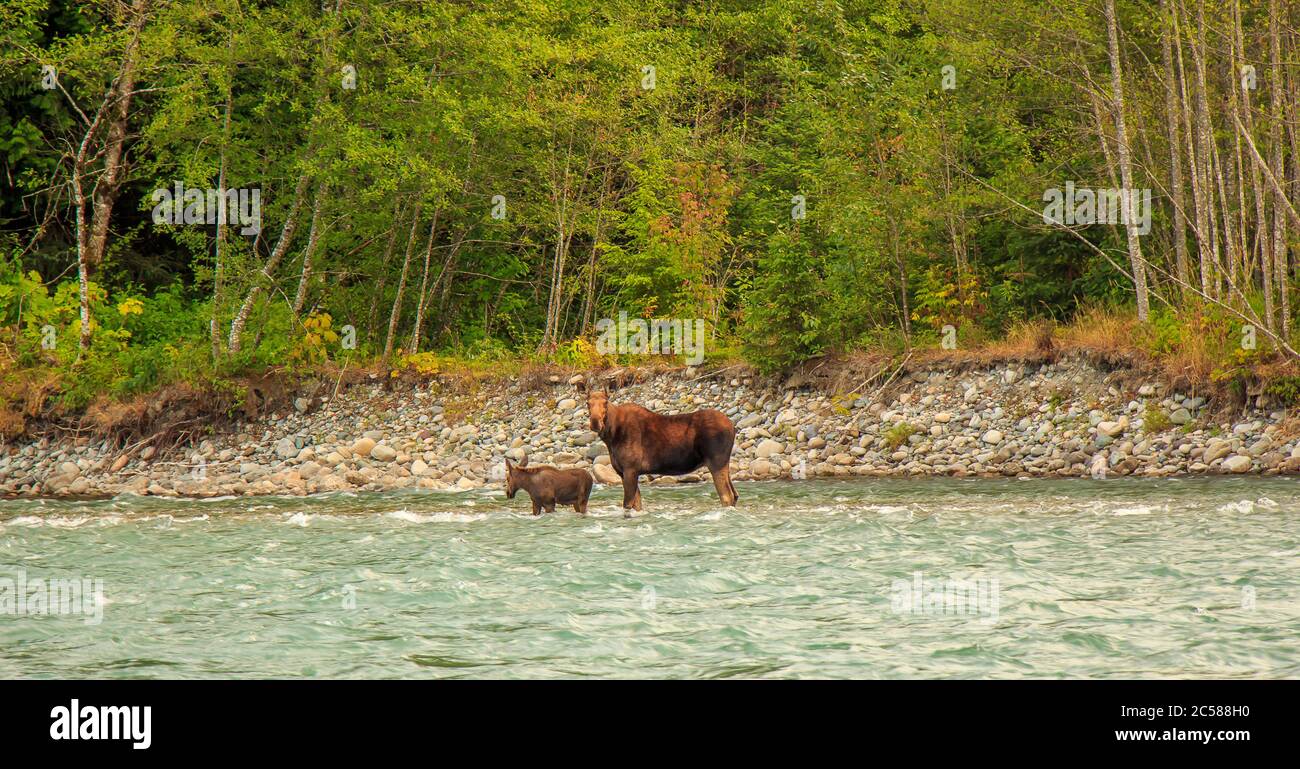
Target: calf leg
722, 482
537, 507
584, 496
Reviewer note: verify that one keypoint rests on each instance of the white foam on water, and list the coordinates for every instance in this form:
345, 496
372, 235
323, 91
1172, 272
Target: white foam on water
1248, 505
1135, 510
888, 509
1242, 506
604, 512
54, 522
300, 519
448, 517
632, 531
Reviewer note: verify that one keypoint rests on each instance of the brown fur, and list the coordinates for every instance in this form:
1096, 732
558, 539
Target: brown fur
642, 442
547, 486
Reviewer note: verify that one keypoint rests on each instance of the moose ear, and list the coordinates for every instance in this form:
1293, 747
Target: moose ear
523, 462
508, 464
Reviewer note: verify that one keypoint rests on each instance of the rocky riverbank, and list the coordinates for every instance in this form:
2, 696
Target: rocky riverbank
1021, 420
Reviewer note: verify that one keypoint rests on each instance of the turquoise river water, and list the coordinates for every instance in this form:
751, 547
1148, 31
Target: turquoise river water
862, 578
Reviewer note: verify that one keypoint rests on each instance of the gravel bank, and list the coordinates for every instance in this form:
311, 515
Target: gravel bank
1060, 419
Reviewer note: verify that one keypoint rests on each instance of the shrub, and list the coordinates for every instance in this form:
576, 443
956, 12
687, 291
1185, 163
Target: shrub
898, 434
1284, 389
1155, 421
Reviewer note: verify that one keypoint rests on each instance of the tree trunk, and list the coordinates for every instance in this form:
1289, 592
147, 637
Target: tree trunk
1259, 249
313, 237
1194, 158
383, 270
272, 263
1276, 85
401, 284
222, 214
424, 284
1173, 118
1125, 166
113, 112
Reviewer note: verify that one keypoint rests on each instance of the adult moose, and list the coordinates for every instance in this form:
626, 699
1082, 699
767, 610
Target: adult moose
642, 442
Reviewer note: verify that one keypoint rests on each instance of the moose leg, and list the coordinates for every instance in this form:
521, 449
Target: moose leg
722, 482
584, 496
537, 507
631, 493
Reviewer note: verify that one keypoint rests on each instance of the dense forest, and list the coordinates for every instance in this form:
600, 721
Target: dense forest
487, 180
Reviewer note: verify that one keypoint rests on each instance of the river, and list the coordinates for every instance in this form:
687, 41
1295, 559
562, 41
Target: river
863, 578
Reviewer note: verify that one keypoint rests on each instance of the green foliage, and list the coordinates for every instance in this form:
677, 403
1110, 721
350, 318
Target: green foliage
674, 199
317, 339
939, 302
782, 325
1154, 420
1284, 390
898, 434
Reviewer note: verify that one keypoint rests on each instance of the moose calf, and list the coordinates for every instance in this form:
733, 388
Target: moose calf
548, 485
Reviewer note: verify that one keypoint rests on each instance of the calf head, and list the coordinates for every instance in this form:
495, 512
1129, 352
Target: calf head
513, 476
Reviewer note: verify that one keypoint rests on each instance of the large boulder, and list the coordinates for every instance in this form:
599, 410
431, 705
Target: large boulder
606, 475
1237, 463
285, 448
1112, 429
1216, 449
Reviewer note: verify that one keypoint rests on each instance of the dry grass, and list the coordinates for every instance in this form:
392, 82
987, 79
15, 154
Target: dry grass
106, 416
1100, 332
176, 414
1191, 363
1288, 428
12, 424
23, 398
1027, 340
1197, 356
